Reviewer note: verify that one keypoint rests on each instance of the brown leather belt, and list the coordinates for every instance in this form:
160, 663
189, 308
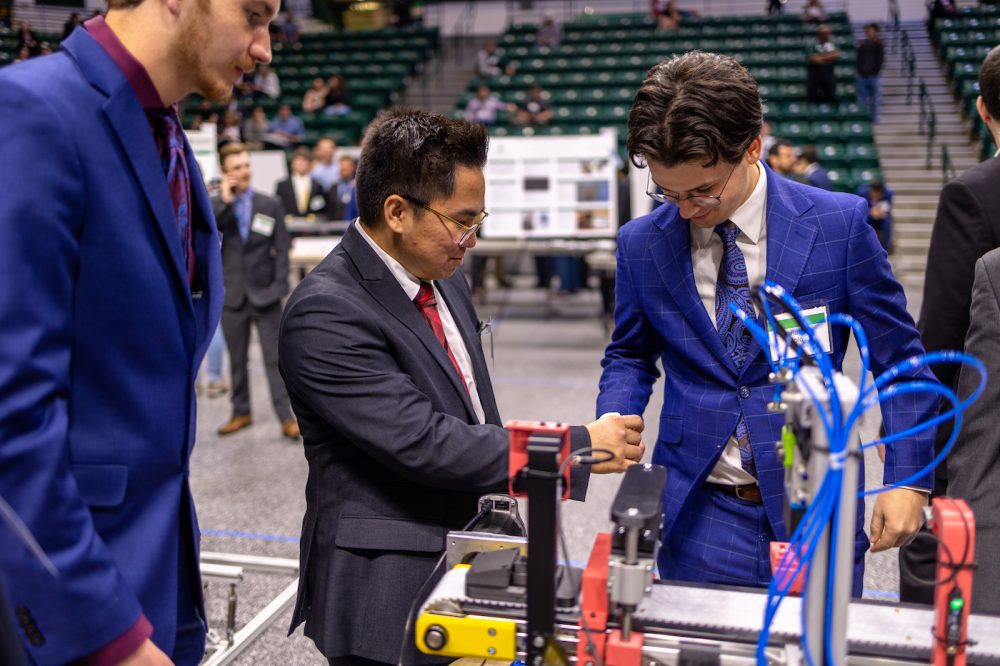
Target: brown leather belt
749, 492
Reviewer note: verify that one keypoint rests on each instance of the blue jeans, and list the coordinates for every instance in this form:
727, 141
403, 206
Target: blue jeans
868, 92
213, 357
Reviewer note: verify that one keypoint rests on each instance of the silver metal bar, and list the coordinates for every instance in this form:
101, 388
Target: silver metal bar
255, 627
282, 565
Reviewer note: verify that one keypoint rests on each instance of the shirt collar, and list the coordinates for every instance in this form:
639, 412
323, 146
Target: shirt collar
407, 280
749, 217
133, 70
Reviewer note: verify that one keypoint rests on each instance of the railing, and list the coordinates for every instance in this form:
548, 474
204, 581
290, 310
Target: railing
928, 121
947, 166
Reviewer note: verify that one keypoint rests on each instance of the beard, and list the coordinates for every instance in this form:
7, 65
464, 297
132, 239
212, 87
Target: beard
194, 39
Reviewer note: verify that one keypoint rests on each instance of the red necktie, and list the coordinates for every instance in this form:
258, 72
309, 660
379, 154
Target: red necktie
427, 304
170, 143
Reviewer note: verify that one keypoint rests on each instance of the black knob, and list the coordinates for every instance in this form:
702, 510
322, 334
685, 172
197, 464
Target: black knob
435, 637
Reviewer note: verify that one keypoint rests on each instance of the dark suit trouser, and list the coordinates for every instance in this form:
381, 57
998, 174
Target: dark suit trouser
236, 330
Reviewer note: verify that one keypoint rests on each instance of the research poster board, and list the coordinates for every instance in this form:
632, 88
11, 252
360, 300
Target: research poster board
552, 187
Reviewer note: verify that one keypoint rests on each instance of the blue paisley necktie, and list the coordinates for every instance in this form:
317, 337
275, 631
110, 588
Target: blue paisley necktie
733, 286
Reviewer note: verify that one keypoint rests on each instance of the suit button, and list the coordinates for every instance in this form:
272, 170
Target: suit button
744, 392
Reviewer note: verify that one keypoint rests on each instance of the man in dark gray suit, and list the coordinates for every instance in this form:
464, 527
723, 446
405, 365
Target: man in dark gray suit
974, 463
255, 246
381, 354
967, 226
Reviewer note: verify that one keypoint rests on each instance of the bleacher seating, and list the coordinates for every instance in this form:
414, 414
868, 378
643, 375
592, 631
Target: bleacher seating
593, 74
963, 42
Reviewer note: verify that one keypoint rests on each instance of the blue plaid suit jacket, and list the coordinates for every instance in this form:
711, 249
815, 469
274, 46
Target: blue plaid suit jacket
820, 248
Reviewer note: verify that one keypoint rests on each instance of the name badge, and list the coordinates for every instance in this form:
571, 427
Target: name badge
262, 224
816, 317
317, 203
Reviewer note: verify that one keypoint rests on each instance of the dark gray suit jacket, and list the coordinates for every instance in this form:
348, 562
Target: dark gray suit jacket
396, 458
974, 463
255, 271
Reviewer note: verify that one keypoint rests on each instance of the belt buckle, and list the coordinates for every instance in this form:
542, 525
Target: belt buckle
739, 493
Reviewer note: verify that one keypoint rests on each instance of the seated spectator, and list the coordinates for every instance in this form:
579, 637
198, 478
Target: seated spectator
482, 109
256, 129
289, 28
487, 61
300, 194
23, 54
667, 16
343, 196
810, 171
286, 129
767, 139
244, 93
548, 35
338, 100
879, 197
265, 81
536, 110
314, 99
70, 25
781, 157
821, 58
813, 12
27, 39
943, 9
230, 131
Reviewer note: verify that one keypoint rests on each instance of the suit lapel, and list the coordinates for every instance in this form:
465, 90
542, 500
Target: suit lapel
385, 289
789, 240
671, 254
470, 336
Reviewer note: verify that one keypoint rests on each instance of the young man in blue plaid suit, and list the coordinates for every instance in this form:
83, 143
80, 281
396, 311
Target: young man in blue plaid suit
730, 222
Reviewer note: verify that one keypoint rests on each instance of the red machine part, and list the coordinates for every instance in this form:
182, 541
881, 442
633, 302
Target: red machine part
520, 432
779, 571
596, 644
953, 523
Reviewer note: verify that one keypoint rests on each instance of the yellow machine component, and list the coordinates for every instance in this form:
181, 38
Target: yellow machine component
466, 635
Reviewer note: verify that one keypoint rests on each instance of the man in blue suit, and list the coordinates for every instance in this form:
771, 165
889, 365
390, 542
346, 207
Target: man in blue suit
731, 222
110, 289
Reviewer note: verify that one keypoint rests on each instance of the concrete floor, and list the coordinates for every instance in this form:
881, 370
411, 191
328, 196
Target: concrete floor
249, 487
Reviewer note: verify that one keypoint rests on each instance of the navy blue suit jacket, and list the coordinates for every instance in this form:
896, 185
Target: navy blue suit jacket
820, 248
100, 343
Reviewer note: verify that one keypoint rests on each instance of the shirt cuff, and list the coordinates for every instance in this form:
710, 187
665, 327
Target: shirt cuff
917, 489
117, 650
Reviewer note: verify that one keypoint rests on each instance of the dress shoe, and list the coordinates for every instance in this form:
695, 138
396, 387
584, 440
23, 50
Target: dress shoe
235, 424
290, 429
217, 388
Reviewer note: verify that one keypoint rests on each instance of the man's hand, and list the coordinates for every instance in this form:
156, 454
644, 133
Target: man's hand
621, 435
147, 655
898, 516
226, 188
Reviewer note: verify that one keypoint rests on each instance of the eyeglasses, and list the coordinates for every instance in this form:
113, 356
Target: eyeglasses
470, 229
701, 200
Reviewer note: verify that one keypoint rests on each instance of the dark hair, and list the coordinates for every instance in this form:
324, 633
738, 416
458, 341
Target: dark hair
414, 152
302, 152
699, 106
872, 25
228, 150
876, 184
809, 154
778, 145
989, 82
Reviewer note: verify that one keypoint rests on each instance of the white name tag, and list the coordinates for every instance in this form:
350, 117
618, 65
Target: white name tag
262, 224
816, 317
317, 203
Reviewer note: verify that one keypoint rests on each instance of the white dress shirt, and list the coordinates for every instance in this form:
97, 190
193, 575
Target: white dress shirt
411, 285
706, 258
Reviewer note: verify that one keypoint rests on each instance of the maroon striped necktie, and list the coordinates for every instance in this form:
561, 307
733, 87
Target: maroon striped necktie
427, 304
170, 144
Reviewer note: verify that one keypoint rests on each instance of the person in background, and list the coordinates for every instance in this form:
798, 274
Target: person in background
324, 169
870, 55
314, 99
338, 100
343, 195
27, 39
666, 14
879, 198
256, 129
775, 7
782, 158
821, 75
255, 246
286, 128
813, 12
70, 25
534, 111
484, 107
300, 194
487, 61
265, 82
548, 34
230, 130
809, 171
